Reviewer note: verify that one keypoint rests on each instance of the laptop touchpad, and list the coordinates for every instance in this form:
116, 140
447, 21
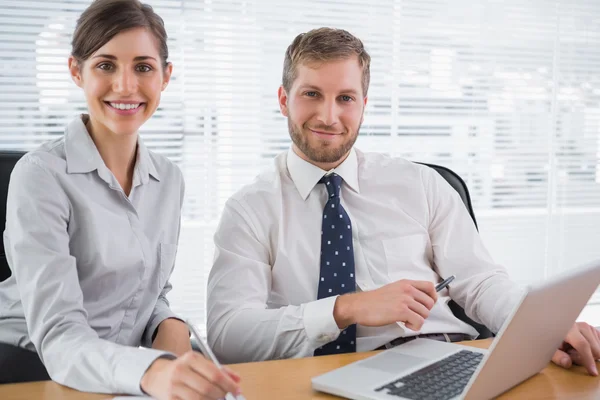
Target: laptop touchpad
391, 361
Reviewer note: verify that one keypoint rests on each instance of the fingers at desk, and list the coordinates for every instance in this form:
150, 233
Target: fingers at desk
562, 359
591, 335
580, 337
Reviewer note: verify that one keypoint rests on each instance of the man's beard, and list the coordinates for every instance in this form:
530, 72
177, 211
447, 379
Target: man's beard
325, 153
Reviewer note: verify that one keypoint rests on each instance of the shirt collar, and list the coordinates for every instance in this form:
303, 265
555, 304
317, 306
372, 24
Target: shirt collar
80, 151
144, 165
82, 155
306, 175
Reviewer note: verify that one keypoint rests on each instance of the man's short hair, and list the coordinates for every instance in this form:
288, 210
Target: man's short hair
321, 45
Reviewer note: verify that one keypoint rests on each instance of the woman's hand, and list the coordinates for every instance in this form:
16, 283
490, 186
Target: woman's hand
189, 377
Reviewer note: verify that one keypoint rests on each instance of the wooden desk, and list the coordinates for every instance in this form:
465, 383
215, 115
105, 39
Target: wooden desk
290, 380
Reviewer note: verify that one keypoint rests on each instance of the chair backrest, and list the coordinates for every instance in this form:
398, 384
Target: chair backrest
461, 187
458, 184
8, 159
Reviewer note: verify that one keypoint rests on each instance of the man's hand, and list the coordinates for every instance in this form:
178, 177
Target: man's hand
189, 377
402, 301
581, 346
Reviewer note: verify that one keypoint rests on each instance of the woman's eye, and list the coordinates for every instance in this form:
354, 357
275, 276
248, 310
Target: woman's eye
144, 68
105, 66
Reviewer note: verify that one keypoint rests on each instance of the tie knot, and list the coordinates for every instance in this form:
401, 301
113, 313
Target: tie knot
333, 183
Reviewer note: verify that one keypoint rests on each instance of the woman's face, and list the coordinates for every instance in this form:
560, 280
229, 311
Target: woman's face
122, 82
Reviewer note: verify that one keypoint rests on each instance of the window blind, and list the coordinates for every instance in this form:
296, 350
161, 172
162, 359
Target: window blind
504, 92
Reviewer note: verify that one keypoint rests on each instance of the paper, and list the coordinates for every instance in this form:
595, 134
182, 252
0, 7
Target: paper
131, 397
229, 396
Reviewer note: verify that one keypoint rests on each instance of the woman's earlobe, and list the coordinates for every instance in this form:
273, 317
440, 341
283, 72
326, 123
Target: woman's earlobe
168, 71
76, 79
75, 70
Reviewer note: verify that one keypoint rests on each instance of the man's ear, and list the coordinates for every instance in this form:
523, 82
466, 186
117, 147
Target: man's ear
362, 118
283, 99
75, 70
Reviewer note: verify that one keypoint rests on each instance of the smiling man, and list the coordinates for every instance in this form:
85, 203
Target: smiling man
332, 250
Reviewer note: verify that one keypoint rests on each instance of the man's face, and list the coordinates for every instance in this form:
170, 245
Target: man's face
325, 108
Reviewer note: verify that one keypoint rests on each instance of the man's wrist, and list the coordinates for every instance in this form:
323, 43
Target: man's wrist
343, 311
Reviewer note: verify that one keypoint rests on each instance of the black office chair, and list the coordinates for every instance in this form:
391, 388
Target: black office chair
8, 159
29, 367
461, 187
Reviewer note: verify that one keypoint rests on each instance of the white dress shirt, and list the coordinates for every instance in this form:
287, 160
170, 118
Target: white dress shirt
90, 265
407, 223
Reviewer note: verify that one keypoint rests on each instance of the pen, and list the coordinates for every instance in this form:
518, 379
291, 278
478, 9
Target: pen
208, 353
444, 283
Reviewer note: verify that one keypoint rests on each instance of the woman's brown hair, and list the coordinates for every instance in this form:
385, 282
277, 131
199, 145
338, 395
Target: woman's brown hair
104, 19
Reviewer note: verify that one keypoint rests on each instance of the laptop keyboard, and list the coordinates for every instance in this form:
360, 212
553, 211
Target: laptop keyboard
441, 380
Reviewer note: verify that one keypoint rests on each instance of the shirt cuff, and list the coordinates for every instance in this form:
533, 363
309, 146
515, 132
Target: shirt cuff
319, 323
133, 365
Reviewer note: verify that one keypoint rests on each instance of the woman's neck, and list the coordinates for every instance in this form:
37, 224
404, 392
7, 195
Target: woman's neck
117, 151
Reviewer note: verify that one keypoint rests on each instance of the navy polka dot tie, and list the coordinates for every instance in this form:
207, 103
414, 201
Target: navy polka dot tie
337, 261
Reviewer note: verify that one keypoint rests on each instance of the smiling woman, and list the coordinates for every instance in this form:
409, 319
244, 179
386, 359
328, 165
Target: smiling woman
122, 82
91, 257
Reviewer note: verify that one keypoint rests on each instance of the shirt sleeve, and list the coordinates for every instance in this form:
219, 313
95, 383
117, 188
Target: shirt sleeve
162, 309
37, 245
241, 327
482, 287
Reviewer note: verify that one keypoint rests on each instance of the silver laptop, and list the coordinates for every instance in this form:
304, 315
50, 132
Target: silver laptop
428, 369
